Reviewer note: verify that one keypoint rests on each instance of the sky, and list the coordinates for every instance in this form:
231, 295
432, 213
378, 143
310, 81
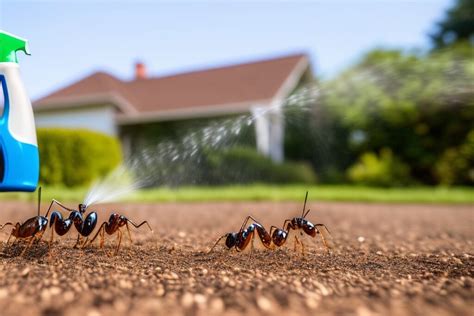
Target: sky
71, 39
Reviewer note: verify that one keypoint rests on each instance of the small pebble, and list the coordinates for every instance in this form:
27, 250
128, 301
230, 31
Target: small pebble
187, 300
216, 305
200, 299
160, 291
94, 312
264, 303
25, 272
3, 293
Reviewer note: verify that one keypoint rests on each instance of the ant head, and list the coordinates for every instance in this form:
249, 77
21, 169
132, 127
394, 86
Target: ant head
122, 220
114, 217
309, 229
279, 236
231, 240
16, 229
82, 208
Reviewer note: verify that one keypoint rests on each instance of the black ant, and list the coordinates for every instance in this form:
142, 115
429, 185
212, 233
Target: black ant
76, 217
33, 228
243, 237
279, 236
113, 226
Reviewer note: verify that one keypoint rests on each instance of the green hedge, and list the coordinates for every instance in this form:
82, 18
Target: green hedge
246, 165
75, 157
456, 165
379, 170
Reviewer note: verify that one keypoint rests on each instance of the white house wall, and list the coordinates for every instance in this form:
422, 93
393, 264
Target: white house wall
269, 130
99, 118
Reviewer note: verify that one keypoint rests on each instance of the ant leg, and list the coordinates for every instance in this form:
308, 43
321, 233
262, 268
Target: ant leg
324, 226
218, 240
97, 234
28, 246
129, 235
102, 238
41, 236
51, 239
84, 244
142, 223
287, 225
129, 238
301, 243
272, 228
252, 245
8, 240
11, 233
58, 203
302, 246
246, 221
77, 241
323, 235
119, 241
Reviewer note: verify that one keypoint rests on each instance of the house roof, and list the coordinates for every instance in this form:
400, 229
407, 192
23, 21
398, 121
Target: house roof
225, 89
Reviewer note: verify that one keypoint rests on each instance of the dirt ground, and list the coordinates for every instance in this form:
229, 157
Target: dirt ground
386, 259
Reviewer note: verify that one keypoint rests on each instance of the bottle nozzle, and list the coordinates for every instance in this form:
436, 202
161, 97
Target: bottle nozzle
9, 45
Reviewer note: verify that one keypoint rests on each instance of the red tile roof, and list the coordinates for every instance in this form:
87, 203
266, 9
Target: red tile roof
242, 83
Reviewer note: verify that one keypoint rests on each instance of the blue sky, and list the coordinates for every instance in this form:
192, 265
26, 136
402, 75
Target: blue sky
70, 39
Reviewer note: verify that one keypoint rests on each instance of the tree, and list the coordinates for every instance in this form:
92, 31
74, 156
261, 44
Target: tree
416, 105
457, 26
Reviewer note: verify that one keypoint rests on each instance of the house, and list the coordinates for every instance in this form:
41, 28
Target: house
107, 104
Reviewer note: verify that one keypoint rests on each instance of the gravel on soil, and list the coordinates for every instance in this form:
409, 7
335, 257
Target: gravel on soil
387, 259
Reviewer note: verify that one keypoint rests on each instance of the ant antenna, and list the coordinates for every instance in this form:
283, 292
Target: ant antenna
39, 200
218, 240
6, 224
304, 206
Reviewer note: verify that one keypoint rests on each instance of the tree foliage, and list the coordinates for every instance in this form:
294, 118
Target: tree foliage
457, 26
416, 105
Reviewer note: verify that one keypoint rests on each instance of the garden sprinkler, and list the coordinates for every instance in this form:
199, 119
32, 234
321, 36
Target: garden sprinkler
19, 157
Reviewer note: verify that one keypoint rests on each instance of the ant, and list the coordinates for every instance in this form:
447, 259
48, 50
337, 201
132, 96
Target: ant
76, 217
279, 236
33, 228
113, 226
242, 238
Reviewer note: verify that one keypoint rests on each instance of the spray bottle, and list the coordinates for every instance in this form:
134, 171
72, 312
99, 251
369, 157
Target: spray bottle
19, 157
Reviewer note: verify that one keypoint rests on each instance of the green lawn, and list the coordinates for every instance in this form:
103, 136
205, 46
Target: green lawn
273, 193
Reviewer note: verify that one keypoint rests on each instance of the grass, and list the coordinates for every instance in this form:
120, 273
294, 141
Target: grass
455, 195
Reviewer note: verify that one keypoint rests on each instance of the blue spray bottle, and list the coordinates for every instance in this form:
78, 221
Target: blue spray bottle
19, 157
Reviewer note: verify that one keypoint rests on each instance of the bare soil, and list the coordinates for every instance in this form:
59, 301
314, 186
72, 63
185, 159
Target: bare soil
386, 260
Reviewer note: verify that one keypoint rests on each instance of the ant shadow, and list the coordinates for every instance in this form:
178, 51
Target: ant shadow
17, 249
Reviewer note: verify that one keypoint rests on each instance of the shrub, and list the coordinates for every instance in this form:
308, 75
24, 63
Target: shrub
75, 157
456, 165
246, 165
382, 170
